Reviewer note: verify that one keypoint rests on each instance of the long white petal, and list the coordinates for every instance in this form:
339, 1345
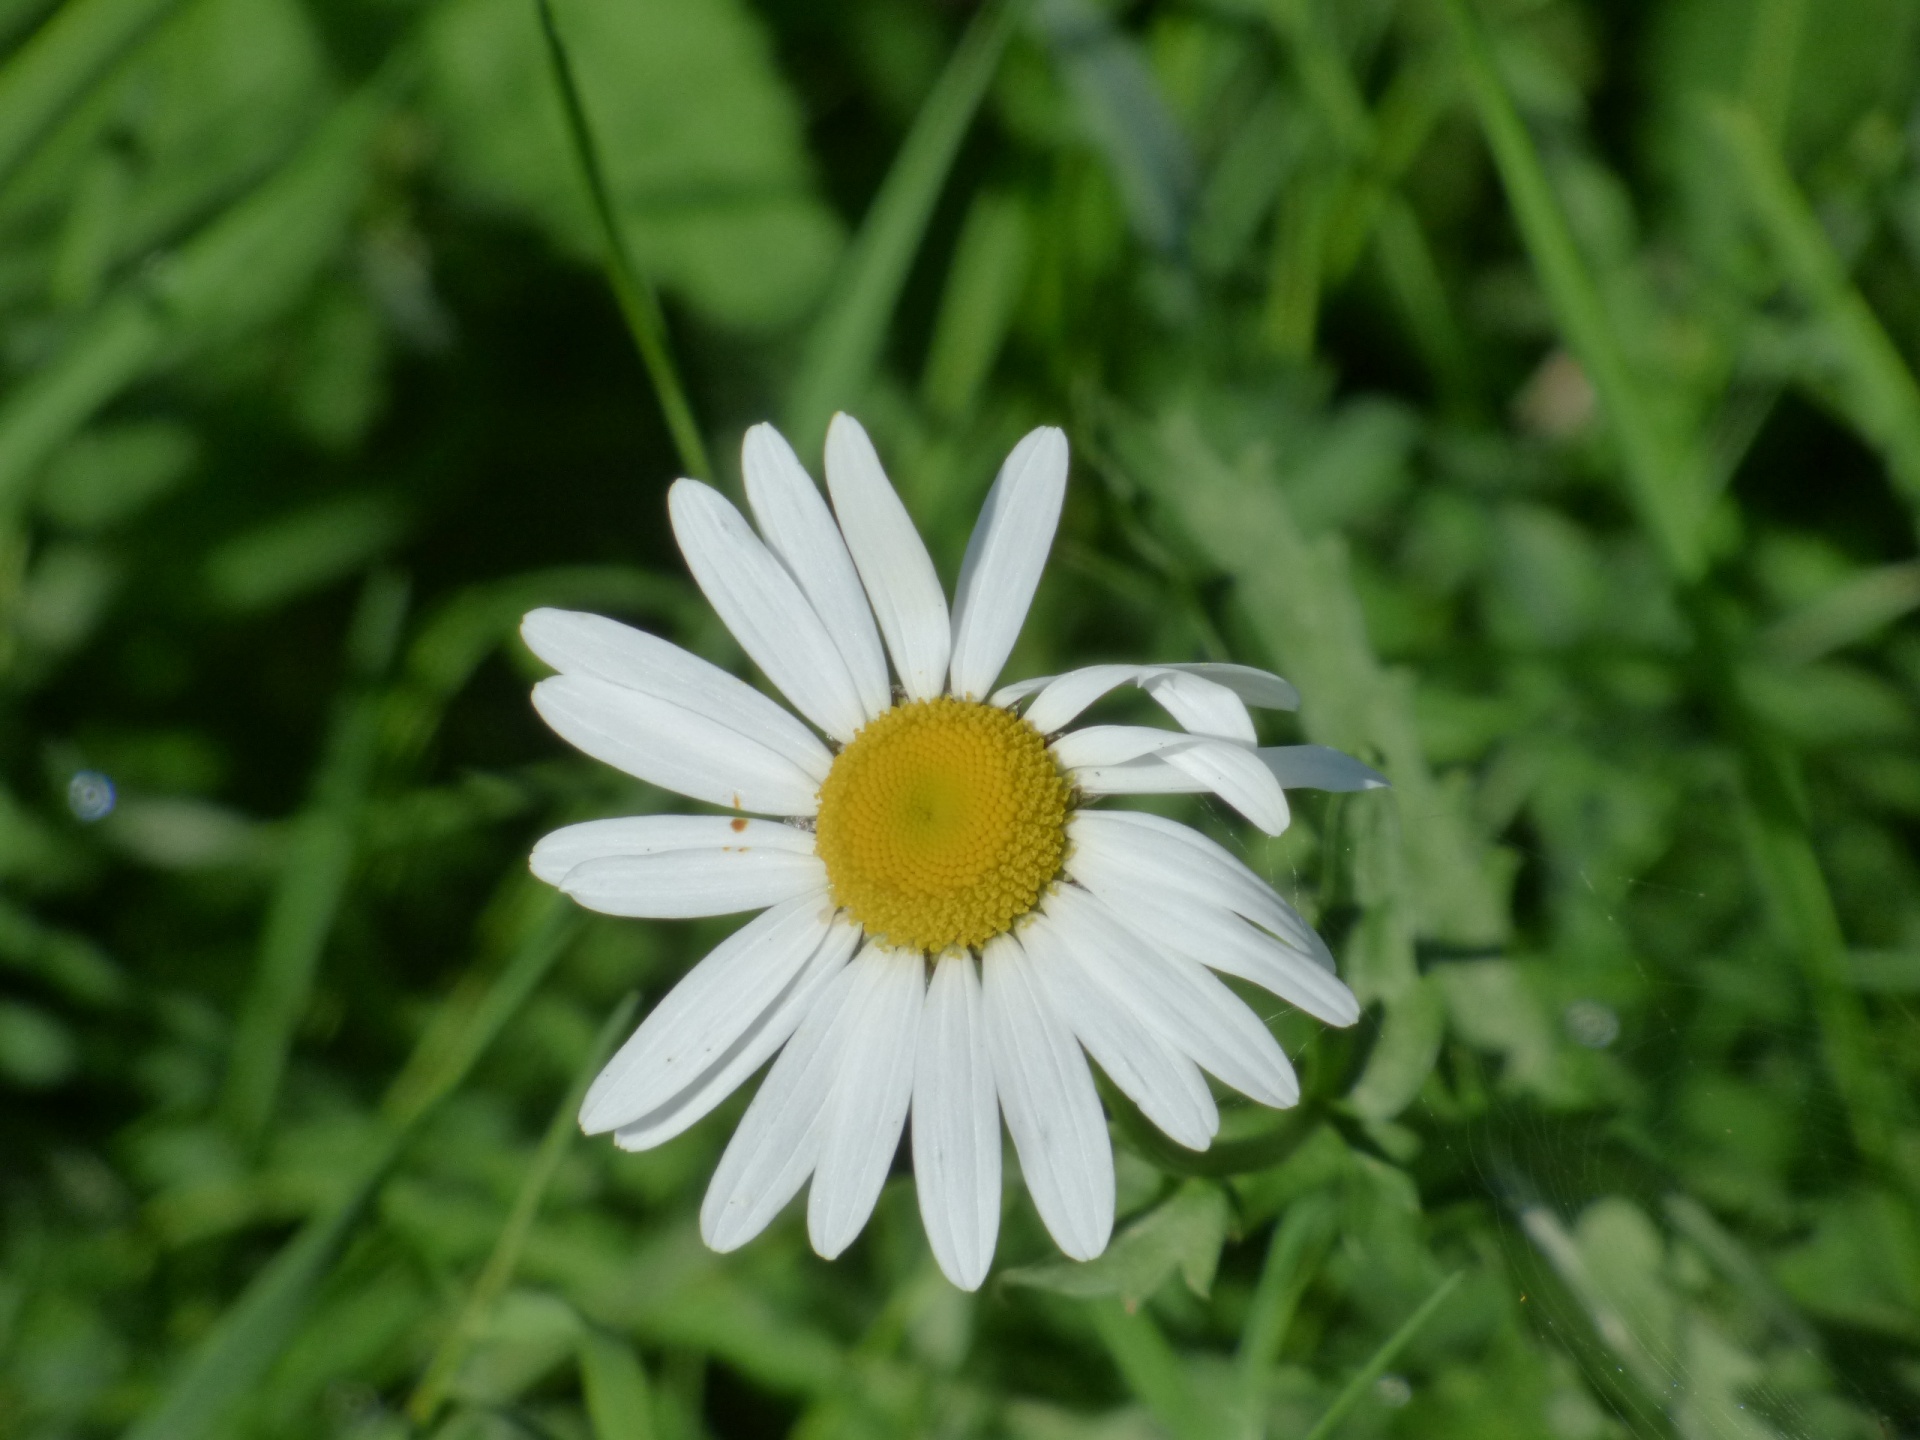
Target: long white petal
681, 884
779, 1139
1179, 998
893, 563
762, 604
1319, 767
870, 1098
1208, 699
799, 528
956, 1126
1164, 1083
674, 748
1260, 688
576, 643
1200, 705
1231, 770
705, 1014
1149, 775
571, 845
1052, 1109
1119, 848
747, 1054
1237, 775
1005, 555
1212, 935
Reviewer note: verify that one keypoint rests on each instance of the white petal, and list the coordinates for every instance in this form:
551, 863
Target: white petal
680, 884
779, 1139
870, 1098
1229, 769
571, 845
1149, 775
1118, 848
1019, 690
1196, 696
674, 748
956, 1126
1005, 555
1201, 706
893, 563
576, 643
1164, 1083
1319, 767
1212, 935
1052, 1109
761, 603
748, 1053
1261, 688
1237, 775
705, 1014
799, 528
1179, 998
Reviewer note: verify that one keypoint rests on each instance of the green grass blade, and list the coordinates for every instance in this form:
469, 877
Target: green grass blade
638, 303
257, 1327
845, 340
46, 77
1152, 1369
314, 876
1364, 1378
1664, 479
498, 1272
1878, 392
1292, 1257
619, 1399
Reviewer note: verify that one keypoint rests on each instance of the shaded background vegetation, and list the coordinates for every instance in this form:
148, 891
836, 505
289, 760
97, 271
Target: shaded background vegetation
1529, 380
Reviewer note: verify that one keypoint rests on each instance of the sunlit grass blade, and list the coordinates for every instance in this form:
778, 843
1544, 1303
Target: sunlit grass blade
1152, 1369
497, 1273
1772, 59
619, 1399
1365, 1377
1292, 1257
45, 78
846, 338
257, 1327
1869, 601
1664, 478
314, 875
977, 306
1878, 390
638, 303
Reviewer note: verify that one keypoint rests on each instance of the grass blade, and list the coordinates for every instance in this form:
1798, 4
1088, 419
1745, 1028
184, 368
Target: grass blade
1368, 1373
1152, 1369
1878, 390
846, 339
257, 1327
497, 1273
619, 1400
314, 877
1293, 1254
638, 303
47, 75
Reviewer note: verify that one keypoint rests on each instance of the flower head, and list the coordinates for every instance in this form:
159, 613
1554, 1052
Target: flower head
947, 929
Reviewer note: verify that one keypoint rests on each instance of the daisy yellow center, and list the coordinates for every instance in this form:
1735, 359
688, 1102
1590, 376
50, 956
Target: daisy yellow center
941, 823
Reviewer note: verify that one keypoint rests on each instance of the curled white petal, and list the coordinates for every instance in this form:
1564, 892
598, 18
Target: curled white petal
558, 852
682, 884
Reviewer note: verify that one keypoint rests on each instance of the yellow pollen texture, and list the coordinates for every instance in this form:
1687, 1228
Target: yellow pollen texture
941, 823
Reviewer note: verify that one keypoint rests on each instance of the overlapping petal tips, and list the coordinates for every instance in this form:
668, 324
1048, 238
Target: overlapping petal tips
1206, 697
706, 1014
1053, 1112
762, 604
870, 1096
672, 747
1163, 1082
956, 1126
894, 565
1123, 759
1004, 559
1319, 767
596, 648
800, 529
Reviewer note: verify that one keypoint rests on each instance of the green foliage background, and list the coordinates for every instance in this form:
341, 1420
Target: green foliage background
1528, 380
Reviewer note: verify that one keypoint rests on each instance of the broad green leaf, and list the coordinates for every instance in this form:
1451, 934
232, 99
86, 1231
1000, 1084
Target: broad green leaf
1183, 1233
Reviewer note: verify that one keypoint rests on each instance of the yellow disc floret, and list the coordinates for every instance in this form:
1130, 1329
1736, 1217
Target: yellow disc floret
941, 823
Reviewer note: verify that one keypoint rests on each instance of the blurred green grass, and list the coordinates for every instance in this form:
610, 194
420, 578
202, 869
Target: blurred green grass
1530, 381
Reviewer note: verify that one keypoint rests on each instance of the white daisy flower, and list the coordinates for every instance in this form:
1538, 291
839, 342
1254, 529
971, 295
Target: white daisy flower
947, 930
